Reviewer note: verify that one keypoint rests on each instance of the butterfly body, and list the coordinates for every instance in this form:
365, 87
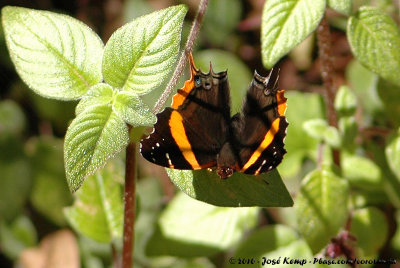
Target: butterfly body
198, 131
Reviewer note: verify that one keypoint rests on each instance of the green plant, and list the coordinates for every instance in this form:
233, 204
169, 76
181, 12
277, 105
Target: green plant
350, 167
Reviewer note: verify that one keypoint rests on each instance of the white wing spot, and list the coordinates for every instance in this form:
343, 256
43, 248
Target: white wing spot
169, 159
157, 144
270, 167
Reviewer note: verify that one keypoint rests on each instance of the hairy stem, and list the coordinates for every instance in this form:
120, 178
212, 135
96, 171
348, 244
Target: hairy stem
129, 205
327, 73
194, 31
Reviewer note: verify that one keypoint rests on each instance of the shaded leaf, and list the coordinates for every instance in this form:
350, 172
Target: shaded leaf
17, 236
56, 55
98, 208
93, 137
220, 20
374, 40
50, 193
392, 152
239, 190
12, 118
361, 172
139, 55
255, 246
364, 224
191, 228
390, 97
321, 193
285, 24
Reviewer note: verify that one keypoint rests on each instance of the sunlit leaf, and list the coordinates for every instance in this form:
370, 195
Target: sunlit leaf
321, 193
285, 24
129, 107
345, 101
374, 39
98, 209
99, 94
56, 55
139, 55
191, 228
239, 190
393, 155
342, 6
93, 137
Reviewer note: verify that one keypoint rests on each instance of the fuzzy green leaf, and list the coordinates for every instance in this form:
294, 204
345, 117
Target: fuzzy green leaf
139, 55
56, 55
191, 228
375, 40
93, 137
98, 208
129, 107
285, 24
99, 94
240, 190
341, 6
321, 193
315, 128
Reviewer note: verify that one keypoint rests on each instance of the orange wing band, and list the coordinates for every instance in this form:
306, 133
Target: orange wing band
182, 93
268, 138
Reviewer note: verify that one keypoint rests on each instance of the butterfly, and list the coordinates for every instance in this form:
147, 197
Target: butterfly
198, 131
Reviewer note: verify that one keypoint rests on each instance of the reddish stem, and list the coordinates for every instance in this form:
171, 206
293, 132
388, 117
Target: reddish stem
130, 205
327, 73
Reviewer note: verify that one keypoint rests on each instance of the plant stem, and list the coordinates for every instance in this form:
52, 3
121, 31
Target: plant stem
194, 31
129, 205
327, 73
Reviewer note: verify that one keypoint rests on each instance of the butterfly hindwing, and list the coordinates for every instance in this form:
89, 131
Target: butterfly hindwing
262, 126
181, 138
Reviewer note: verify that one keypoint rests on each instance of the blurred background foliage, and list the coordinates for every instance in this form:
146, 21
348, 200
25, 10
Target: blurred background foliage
34, 192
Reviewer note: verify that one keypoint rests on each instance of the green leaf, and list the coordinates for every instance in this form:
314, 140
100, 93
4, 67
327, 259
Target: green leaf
392, 152
221, 19
99, 94
240, 190
55, 55
321, 193
374, 39
12, 119
285, 24
315, 128
93, 137
390, 97
332, 137
139, 55
255, 246
15, 185
364, 225
345, 101
363, 81
98, 208
17, 236
341, 6
361, 172
238, 73
349, 130
298, 144
129, 107
190, 228
50, 193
